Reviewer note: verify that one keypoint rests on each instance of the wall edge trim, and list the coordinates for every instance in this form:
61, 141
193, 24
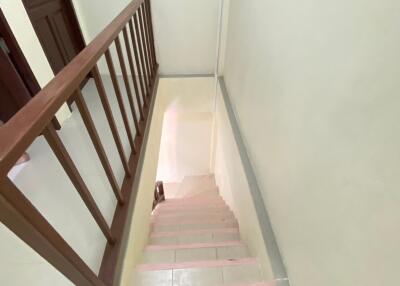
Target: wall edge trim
277, 264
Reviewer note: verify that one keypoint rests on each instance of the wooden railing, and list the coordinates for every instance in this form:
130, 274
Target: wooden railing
134, 25
159, 195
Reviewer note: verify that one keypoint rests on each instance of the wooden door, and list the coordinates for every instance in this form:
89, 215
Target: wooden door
17, 81
58, 30
13, 92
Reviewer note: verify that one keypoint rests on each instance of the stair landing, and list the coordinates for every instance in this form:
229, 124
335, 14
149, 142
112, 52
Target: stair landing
195, 241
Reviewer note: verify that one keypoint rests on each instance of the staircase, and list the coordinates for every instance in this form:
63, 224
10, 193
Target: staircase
195, 240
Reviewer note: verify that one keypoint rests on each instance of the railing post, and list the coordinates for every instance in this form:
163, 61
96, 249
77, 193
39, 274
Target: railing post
69, 167
132, 69
138, 60
153, 47
127, 86
110, 118
141, 53
94, 136
118, 94
143, 38
22, 218
147, 21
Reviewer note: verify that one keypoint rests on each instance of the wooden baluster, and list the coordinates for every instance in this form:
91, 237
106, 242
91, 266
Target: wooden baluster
94, 136
120, 100
19, 215
133, 73
153, 47
139, 44
110, 118
69, 167
137, 61
145, 51
147, 30
127, 85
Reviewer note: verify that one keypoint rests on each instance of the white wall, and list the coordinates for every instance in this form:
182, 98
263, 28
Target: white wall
186, 35
315, 85
185, 148
23, 31
185, 31
234, 188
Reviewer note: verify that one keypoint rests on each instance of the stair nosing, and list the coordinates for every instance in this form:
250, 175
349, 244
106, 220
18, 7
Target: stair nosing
155, 247
197, 264
190, 232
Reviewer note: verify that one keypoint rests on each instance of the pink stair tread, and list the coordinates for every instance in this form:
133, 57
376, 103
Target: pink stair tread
193, 245
197, 264
203, 217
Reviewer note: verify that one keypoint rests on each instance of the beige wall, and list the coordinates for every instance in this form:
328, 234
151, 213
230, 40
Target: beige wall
177, 92
234, 187
23, 31
185, 148
316, 90
186, 35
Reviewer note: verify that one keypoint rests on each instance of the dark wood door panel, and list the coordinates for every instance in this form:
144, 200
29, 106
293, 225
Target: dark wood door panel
13, 92
58, 30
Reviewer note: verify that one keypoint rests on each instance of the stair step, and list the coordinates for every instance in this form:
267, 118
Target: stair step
185, 221
197, 264
194, 245
192, 232
186, 213
213, 198
202, 273
254, 284
190, 207
194, 226
207, 237
161, 218
195, 254
167, 212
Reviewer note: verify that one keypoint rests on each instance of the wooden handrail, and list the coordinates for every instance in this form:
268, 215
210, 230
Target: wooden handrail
20, 131
16, 211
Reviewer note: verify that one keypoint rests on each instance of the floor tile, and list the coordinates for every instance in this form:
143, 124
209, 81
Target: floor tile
164, 240
196, 238
197, 277
196, 254
232, 252
218, 237
153, 278
160, 256
241, 274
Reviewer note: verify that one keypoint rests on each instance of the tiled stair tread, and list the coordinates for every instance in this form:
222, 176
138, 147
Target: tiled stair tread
172, 227
181, 218
196, 239
191, 207
240, 274
190, 232
254, 284
177, 213
194, 221
194, 245
193, 212
197, 264
194, 200
195, 254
